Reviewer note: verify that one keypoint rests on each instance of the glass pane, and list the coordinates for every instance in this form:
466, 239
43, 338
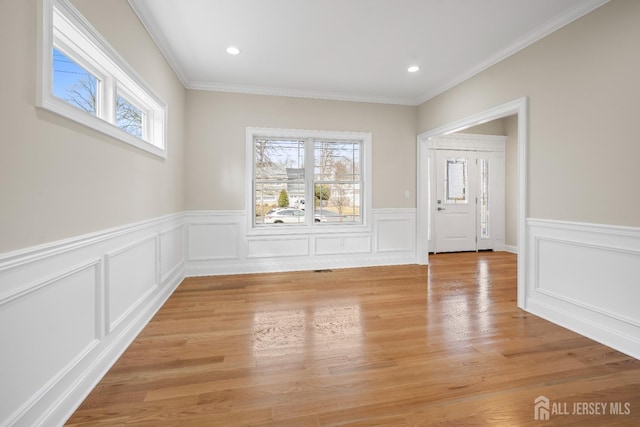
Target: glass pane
129, 117
337, 161
337, 181
73, 83
484, 198
279, 159
455, 180
279, 181
268, 199
337, 202
429, 183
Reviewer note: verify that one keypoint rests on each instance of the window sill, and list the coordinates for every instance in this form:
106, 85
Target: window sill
65, 110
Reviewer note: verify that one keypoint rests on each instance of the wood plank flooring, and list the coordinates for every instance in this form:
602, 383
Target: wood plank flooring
380, 346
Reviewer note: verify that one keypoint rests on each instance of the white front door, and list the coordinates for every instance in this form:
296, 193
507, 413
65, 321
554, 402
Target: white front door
456, 198
466, 193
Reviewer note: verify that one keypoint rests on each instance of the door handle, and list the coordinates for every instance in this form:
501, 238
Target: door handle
441, 209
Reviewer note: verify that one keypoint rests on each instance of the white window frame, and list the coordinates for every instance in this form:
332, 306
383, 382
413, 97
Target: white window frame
309, 227
62, 26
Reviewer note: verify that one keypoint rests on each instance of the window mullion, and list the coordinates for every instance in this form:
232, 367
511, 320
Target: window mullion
309, 196
107, 100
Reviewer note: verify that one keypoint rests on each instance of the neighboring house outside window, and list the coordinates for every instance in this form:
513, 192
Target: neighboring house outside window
324, 177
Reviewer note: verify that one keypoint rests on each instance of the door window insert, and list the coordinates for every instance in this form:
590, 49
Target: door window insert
456, 180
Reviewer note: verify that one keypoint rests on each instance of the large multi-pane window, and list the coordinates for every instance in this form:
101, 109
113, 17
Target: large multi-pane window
309, 180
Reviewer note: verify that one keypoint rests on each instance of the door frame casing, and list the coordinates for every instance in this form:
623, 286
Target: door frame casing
517, 107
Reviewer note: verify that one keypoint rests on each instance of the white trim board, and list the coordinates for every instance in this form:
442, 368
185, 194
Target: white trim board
580, 276
584, 277
230, 248
518, 107
60, 296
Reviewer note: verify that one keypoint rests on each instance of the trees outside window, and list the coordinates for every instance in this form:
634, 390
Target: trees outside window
280, 168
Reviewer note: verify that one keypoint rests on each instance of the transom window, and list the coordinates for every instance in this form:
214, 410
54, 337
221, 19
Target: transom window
82, 78
286, 195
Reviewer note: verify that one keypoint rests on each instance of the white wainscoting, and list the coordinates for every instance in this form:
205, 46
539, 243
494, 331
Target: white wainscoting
69, 309
218, 243
586, 277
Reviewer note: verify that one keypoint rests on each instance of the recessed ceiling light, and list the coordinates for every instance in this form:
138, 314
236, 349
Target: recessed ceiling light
413, 69
231, 50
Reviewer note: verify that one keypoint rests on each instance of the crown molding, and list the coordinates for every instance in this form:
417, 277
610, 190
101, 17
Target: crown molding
297, 93
549, 27
145, 18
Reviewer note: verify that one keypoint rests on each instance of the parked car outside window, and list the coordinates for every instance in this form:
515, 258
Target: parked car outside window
288, 216
284, 216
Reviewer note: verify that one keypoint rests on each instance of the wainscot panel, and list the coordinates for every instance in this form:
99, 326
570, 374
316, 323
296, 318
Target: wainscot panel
277, 247
213, 240
131, 275
172, 251
390, 240
31, 326
396, 230
69, 309
58, 301
585, 277
343, 244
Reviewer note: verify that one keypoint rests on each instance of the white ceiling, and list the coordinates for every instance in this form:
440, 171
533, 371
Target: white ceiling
346, 49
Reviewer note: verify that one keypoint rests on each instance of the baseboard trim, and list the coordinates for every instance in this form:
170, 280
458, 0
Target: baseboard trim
510, 248
584, 277
236, 267
24, 273
610, 337
73, 397
74, 276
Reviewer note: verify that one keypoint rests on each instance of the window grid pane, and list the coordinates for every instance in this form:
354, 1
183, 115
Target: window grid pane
337, 183
129, 117
337, 202
74, 84
279, 180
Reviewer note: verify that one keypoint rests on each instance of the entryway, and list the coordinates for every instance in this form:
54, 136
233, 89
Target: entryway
466, 182
518, 108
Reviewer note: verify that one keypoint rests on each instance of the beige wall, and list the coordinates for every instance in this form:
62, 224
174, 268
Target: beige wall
583, 86
60, 179
215, 176
494, 127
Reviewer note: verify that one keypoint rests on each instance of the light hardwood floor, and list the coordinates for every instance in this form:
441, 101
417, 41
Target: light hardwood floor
379, 346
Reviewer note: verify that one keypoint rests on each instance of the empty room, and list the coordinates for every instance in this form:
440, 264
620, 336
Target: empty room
328, 213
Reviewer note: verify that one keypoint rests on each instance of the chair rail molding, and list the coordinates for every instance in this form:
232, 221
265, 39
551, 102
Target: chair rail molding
81, 301
84, 300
